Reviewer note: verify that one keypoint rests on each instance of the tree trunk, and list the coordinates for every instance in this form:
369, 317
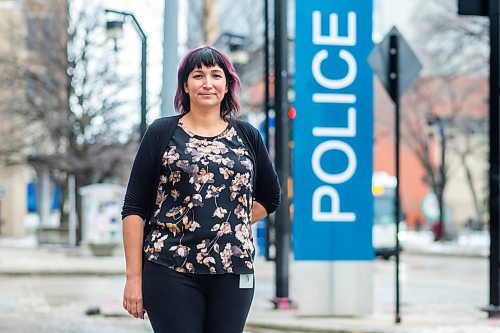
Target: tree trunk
64, 195
79, 207
470, 182
209, 17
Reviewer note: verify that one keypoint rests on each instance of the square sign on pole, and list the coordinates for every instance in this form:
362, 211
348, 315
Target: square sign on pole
397, 66
409, 65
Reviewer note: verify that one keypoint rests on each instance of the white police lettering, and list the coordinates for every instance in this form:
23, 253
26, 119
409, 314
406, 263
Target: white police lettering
334, 38
330, 83
334, 98
334, 214
337, 178
350, 131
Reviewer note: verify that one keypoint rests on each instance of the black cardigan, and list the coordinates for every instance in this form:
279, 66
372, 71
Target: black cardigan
145, 174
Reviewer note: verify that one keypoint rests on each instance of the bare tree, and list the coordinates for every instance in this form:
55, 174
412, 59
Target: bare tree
474, 145
202, 22
245, 19
69, 93
419, 104
453, 46
450, 44
99, 135
454, 102
454, 51
67, 98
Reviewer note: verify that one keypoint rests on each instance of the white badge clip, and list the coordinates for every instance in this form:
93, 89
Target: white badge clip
246, 281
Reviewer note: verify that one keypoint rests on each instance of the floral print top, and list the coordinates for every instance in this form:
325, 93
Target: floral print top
202, 218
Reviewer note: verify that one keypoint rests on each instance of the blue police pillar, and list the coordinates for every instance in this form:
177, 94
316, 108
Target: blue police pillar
333, 142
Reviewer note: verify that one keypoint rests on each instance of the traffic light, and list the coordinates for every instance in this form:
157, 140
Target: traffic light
473, 7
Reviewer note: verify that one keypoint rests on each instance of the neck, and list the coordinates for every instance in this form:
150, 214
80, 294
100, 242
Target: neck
204, 118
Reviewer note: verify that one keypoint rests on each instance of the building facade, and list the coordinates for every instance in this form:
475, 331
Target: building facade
33, 37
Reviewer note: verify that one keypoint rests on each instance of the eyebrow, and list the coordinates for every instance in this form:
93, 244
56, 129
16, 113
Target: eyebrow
213, 70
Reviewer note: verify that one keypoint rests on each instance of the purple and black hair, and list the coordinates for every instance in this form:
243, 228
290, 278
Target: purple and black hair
208, 56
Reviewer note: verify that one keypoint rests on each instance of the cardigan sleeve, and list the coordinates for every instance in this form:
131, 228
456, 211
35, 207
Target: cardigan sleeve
267, 191
141, 184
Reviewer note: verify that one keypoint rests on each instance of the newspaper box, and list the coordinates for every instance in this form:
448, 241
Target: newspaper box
101, 219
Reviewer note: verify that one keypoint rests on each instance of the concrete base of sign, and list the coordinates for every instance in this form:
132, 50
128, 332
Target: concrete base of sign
333, 288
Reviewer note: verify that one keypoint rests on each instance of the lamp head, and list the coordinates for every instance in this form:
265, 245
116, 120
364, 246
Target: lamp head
114, 31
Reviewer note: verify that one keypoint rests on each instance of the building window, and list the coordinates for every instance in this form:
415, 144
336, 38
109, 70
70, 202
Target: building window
42, 34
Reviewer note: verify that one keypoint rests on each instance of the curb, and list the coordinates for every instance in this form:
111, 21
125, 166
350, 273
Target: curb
427, 252
54, 272
297, 328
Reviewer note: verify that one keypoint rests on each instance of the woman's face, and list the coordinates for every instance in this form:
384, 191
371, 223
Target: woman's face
206, 86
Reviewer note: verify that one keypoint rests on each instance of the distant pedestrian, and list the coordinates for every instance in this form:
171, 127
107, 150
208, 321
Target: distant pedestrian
437, 230
199, 180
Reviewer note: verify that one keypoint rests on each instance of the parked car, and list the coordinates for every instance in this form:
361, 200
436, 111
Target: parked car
384, 228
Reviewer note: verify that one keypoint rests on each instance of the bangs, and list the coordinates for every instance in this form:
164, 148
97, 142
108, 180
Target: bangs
204, 56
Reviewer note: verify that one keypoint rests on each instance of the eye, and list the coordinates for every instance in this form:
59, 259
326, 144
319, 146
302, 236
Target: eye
218, 76
197, 76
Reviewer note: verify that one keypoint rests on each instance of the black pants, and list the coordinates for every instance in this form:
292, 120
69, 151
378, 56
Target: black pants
194, 303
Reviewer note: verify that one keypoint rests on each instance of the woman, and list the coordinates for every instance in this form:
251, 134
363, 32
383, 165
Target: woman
199, 180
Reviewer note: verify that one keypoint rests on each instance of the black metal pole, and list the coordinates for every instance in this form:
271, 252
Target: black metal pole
491, 8
283, 227
394, 92
267, 106
143, 86
494, 156
266, 69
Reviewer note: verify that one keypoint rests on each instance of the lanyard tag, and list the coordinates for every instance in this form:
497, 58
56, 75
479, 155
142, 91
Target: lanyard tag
246, 281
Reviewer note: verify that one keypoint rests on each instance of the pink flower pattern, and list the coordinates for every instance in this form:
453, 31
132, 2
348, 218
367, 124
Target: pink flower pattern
202, 212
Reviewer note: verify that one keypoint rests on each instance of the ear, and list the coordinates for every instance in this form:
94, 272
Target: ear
186, 88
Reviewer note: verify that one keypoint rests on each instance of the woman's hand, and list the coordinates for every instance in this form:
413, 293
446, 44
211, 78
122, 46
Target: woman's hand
132, 297
258, 212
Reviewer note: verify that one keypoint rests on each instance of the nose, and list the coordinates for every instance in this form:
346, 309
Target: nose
207, 83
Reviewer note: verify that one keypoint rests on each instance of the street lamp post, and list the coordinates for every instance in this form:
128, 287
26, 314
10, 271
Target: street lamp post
114, 31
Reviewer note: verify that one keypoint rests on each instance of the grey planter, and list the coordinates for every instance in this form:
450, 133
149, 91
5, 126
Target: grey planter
102, 249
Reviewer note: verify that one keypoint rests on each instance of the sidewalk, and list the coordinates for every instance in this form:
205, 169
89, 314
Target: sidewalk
18, 258
467, 244
26, 257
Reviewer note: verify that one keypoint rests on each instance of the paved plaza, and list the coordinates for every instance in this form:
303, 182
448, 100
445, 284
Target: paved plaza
51, 289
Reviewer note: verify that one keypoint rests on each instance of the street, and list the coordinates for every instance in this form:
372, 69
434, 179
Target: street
59, 303
430, 281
